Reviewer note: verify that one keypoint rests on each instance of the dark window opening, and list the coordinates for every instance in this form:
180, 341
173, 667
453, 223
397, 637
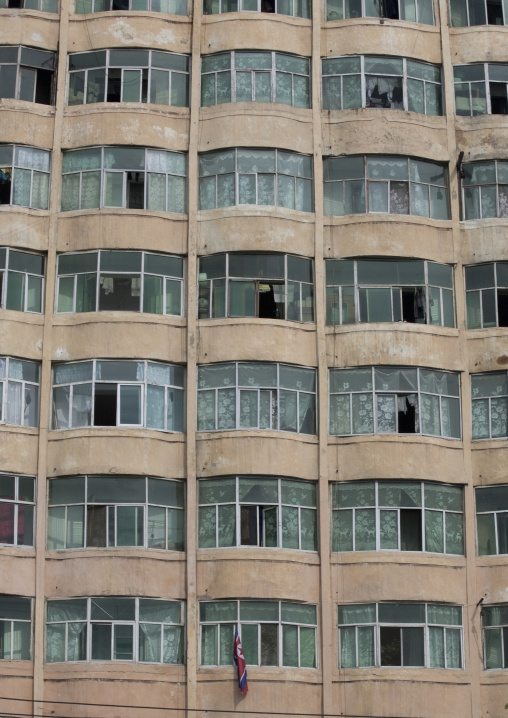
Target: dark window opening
494, 12
15, 3
258, 526
105, 404
120, 4
407, 414
411, 530
391, 649
119, 293
135, 190
5, 185
413, 305
267, 5
390, 9
268, 307
96, 526
114, 85
43, 87
498, 98
269, 644
502, 307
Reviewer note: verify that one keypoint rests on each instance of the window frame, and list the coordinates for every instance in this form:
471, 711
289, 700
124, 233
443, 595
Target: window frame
143, 385
135, 623
341, 185
475, 399
121, 273
236, 173
396, 393
482, 516
381, 14
337, 290
261, 6
27, 603
502, 629
379, 508
104, 171
17, 503
484, 83
272, 72
468, 15
51, 5
238, 623
20, 65
476, 189
5, 272
108, 65
86, 503
377, 625
404, 77
81, 6
5, 382
208, 293
497, 285
274, 398
239, 504
15, 166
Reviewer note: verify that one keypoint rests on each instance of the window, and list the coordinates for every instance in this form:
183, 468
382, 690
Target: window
492, 520
44, 5
255, 77
26, 74
119, 393
268, 286
495, 636
144, 630
120, 281
295, 8
124, 177
129, 75
381, 82
379, 290
19, 392
481, 89
391, 185
24, 176
15, 628
410, 10
257, 511
263, 177
477, 12
259, 395
485, 190
397, 516
489, 400
394, 400
21, 280
487, 295
169, 7
273, 633
134, 511
400, 634
17, 507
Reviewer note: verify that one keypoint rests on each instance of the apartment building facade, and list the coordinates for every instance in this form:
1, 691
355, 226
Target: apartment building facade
252, 372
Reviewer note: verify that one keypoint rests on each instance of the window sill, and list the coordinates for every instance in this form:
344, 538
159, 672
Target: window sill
108, 432
116, 14
406, 558
116, 107
253, 553
121, 211
397, 438
115, 553
403, 673
256, 210
253, 16
273, 674
377, 218
215, 434
36, 108
362, 327
376, 21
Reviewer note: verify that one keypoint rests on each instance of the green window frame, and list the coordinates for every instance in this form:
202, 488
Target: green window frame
426, 635
485, 190
394, 400
114, 512
266, 286
114, 628
365, 184
256, 395
111, 280
489, 405
248, 76
119, 393
24, 176
415, 291
395, 83
124, 178
421, 11
21, 280
17, 510
259, 512
247, 176
128, 75
397, 516
19, 392
273, 633
15, 628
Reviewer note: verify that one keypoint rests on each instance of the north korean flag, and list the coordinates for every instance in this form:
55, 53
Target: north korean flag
240, 663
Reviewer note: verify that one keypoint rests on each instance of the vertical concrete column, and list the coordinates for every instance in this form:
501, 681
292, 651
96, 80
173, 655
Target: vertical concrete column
192, 342
45, 387
471, 614
326, 608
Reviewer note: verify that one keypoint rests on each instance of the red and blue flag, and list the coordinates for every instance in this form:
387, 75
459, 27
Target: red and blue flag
240, 663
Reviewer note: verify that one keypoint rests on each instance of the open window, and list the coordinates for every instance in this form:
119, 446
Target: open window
258, 525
